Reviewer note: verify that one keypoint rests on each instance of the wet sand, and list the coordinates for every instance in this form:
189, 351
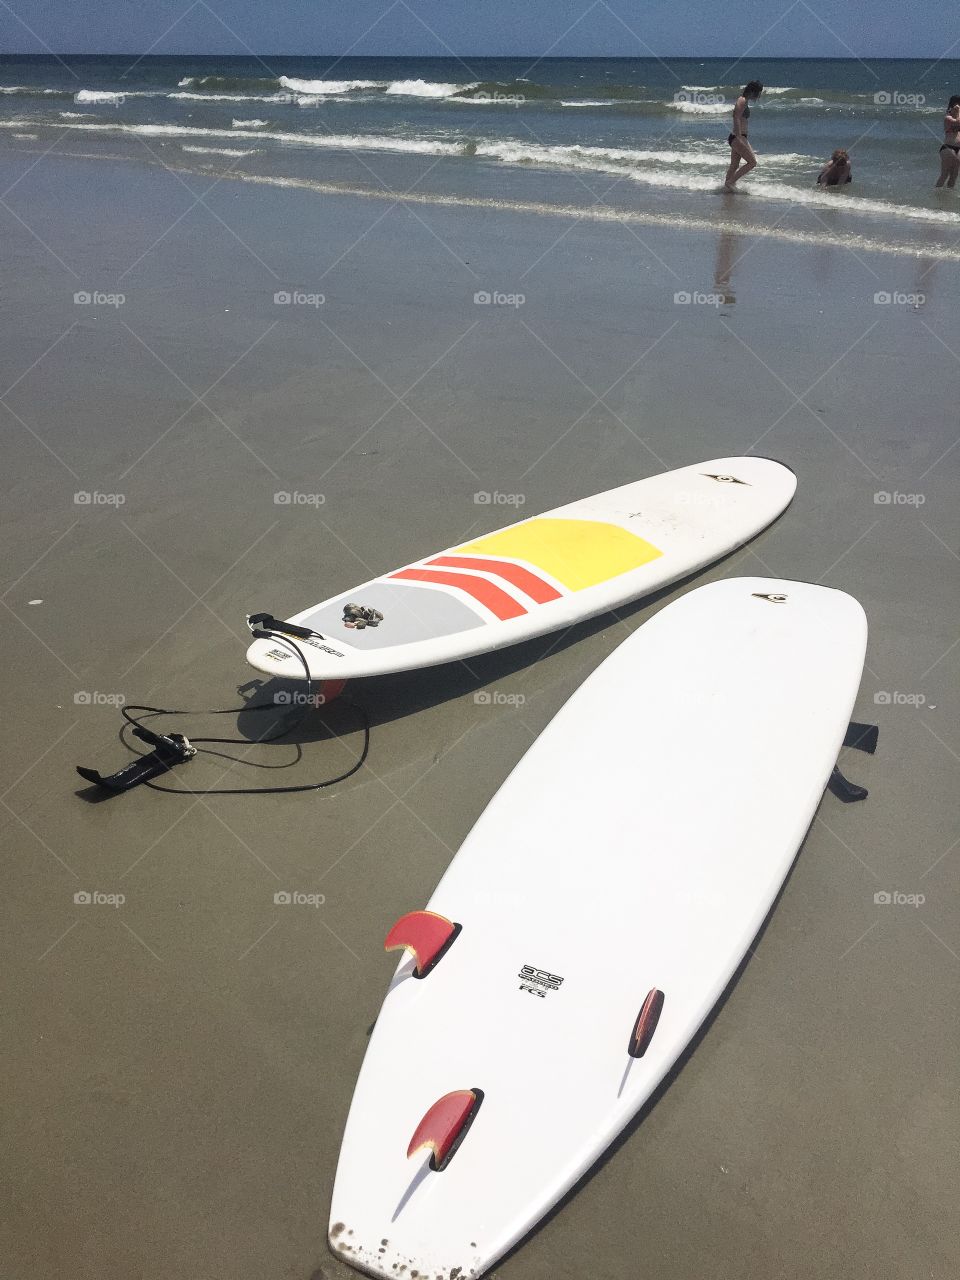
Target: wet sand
179, 1066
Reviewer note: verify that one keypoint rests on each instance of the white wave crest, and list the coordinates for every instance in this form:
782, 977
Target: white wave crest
604, 102
702, 108
609, 159
333, 141
322, 87
841, 199
427, 88
99, 96
231, 97
219, 151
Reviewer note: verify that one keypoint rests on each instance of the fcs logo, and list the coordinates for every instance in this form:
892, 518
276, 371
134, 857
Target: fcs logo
774, 597
724, 479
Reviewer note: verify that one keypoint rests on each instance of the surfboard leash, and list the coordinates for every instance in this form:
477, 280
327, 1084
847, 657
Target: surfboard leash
172, 749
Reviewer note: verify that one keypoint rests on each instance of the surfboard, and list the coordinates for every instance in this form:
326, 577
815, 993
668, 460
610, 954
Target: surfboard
590, 921
537, 575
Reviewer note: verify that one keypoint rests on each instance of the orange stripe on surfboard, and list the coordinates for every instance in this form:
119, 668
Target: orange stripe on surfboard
488, 593
537, 588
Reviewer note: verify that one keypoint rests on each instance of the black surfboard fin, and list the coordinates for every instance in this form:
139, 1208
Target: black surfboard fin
169, 750
845, 790
862, 737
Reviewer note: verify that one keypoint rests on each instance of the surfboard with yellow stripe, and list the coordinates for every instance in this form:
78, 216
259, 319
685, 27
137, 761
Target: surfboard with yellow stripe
540, 574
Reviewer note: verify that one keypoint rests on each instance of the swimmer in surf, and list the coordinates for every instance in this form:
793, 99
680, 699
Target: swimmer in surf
837, 172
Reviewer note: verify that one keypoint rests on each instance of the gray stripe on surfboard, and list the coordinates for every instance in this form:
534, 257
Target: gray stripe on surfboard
410, 613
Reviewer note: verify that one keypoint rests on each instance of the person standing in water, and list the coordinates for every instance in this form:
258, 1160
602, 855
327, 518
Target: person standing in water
950, 151
742, 159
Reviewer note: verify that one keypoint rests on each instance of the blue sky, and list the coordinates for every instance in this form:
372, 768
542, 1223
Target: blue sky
628, 28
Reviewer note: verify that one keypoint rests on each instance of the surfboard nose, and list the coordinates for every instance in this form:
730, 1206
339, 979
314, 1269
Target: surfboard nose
770, 474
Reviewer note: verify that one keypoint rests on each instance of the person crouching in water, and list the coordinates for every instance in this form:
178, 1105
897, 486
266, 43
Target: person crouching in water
742, 159
837, 172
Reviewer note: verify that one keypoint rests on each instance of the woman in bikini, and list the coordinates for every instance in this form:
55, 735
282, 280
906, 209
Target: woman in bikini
742, 159
950, 151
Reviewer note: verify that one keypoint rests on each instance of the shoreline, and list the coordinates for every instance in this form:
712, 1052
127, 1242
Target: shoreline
606, 214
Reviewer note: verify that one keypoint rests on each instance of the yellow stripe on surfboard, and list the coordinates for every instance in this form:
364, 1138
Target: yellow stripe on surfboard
578, 553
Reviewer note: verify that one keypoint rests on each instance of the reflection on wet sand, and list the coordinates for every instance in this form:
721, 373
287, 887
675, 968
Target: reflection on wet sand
926, 275
729, 252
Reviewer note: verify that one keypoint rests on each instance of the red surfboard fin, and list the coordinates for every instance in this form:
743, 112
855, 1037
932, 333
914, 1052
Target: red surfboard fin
328, 690
646, 1024
426, 935
445, 1126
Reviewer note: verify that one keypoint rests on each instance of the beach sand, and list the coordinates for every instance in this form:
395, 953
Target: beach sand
179, 1067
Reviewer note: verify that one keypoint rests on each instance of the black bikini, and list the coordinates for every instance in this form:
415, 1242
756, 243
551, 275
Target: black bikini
744, 116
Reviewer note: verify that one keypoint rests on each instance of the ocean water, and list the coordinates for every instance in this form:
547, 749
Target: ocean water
644, 139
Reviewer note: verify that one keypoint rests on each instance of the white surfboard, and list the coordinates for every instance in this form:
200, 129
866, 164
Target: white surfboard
605, 898
538, 575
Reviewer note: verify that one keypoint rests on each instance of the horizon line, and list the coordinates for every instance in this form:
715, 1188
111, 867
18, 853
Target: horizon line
455, 57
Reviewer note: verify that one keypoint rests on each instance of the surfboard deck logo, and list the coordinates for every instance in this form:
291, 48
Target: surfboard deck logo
537, 982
